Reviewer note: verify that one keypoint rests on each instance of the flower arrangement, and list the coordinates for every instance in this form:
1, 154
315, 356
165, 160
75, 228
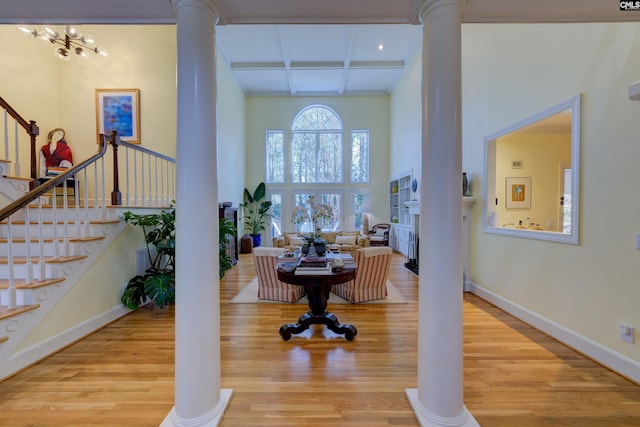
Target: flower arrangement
314, 214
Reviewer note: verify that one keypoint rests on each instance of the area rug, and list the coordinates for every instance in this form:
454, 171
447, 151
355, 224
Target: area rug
249, 295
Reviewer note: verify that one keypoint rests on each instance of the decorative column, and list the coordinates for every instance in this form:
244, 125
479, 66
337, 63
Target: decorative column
438, 399
199, 401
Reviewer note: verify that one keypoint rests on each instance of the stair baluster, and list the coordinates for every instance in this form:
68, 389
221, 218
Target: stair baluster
11, 294
27, 243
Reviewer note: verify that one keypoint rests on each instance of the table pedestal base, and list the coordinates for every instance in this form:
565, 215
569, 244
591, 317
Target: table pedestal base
328, 319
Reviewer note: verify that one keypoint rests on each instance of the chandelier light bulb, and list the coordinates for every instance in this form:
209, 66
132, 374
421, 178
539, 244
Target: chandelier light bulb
30, 31
80, 51
71, 41
50, 32
72, 31
88, 40
62, 54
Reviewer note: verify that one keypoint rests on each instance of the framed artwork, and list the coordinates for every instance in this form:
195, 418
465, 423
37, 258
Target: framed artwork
518, 193
119, 110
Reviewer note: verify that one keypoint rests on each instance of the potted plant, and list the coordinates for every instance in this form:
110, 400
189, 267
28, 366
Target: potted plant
158, 281
313, 215
255, 212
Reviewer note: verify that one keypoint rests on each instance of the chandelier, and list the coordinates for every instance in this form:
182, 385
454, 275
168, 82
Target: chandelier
65, 43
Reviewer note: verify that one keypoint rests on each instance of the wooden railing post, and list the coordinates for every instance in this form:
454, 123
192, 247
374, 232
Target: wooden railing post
34, 131
116, 196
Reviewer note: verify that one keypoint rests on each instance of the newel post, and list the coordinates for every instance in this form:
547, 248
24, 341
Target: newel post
34, 131
116, 196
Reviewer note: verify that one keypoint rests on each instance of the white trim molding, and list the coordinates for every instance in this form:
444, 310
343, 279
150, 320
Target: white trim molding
613, 360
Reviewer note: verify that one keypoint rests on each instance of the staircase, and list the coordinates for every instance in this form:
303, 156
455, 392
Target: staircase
52, 237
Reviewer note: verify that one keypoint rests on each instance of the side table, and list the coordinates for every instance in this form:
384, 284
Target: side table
318, 287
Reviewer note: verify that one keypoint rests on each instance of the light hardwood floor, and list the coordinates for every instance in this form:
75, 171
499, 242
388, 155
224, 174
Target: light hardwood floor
513, 375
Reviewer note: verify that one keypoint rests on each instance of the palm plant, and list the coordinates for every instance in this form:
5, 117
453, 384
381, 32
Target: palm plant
255, 211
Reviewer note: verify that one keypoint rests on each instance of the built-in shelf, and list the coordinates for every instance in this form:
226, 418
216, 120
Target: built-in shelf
399, 193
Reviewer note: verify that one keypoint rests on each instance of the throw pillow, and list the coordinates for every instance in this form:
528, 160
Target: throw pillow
346, 240
380, 232
287, 238
296, 241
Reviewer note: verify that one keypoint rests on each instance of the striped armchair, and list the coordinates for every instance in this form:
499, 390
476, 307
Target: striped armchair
269, 287
371, 278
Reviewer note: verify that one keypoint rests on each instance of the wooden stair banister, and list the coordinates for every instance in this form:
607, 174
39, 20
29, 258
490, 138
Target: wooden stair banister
23, 201
32, 129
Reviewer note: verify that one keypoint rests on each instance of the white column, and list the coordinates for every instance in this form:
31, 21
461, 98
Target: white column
438, 399
199, 399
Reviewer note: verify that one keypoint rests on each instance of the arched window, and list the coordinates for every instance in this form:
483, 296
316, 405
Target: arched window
315, 166
316, 146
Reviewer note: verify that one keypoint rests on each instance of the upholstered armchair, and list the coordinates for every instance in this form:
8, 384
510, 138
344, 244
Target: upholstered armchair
269, 287
379, 235
371, 277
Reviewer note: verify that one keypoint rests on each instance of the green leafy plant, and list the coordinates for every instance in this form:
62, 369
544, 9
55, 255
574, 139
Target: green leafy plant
255, 209
227, 231
158, 281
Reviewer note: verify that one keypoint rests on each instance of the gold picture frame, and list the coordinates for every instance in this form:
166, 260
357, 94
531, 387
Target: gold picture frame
518, 192
119, 110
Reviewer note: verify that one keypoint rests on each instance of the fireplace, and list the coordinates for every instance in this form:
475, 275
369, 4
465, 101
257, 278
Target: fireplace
413, 257
413, 251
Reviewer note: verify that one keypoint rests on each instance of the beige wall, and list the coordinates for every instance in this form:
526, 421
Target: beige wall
511, 72
363, 112
514, 71
406, 120
542, 156
62, 94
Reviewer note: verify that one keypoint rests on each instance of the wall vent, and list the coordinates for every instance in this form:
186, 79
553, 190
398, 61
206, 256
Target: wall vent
142, 260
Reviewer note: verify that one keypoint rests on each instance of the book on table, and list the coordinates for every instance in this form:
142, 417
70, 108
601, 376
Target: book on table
312, 262
326, 269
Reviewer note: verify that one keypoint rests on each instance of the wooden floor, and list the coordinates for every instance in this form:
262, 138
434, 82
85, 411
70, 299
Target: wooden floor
513, 375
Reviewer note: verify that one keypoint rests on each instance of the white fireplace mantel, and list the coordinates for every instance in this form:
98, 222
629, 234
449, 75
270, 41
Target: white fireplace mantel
467, 202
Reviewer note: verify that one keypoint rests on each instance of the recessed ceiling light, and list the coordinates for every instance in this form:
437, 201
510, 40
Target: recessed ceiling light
380, 47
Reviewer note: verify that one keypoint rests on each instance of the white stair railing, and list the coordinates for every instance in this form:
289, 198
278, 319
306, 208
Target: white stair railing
153, 187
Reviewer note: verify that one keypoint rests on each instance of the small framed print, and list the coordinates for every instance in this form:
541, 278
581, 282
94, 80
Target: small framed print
119, 110
518, 193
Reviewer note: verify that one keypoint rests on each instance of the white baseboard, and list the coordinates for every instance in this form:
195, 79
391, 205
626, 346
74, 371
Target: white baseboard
31, 355
615, 361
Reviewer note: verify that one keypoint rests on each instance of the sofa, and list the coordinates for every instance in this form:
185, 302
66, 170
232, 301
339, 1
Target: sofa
344, 241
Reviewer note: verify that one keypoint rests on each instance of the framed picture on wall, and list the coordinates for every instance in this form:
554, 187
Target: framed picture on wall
119, 110
518, 193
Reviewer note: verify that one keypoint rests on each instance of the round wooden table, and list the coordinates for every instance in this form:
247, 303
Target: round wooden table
318, 287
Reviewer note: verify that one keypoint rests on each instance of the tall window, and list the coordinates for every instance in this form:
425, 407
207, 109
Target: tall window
275, 156
358, 204
316, 147
333, 199
360, 156
276, 214
315, 162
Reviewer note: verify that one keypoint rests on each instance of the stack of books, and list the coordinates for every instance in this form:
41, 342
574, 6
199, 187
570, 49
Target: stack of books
347, 260
53, 171
317, 265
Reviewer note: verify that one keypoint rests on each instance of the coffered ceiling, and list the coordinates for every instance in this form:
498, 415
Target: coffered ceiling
305, 47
